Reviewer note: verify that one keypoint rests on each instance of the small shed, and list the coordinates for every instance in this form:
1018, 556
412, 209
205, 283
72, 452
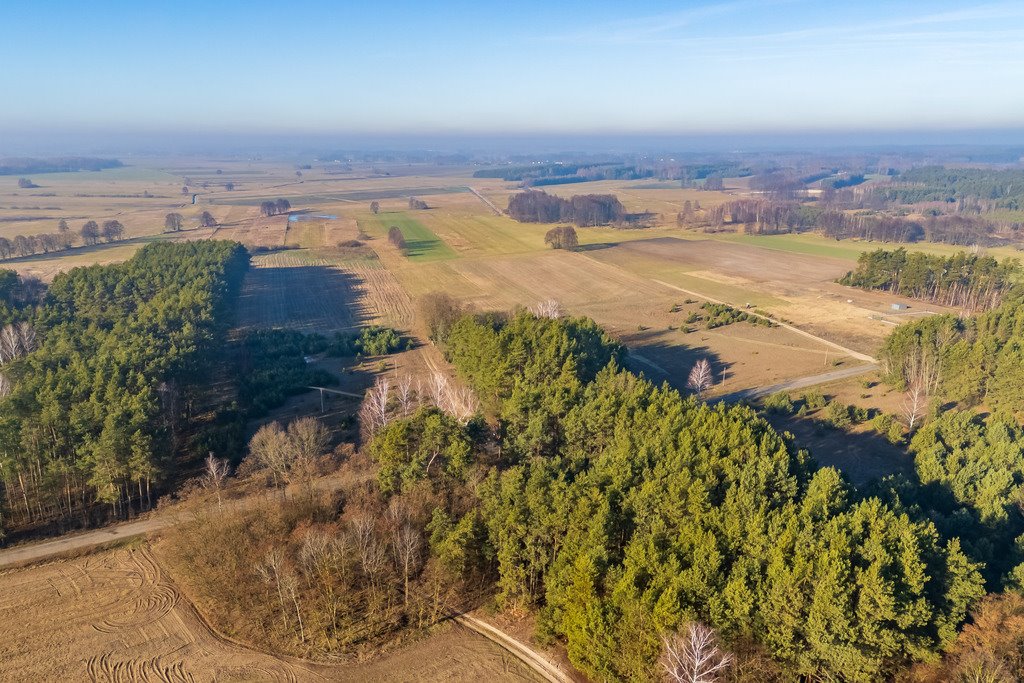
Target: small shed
899, 307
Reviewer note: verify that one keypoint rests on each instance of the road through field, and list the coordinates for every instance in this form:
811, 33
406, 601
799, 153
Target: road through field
800, 383
850, 352
488, 202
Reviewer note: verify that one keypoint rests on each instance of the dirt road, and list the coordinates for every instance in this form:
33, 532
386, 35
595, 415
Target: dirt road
799, 383
85, 541
850, 352
34, 552
488, 202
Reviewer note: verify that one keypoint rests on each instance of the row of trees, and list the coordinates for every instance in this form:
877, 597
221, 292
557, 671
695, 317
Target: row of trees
90, 234
766, 216
969, 281
98, 411
175, 222
759, 216
583, 210
623, 511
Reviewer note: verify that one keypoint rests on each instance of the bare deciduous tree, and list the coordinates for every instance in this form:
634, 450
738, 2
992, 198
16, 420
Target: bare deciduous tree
308, 443
372, 553
693, 656
548, 309
374, 413
915, 403
407, 544
269, 446
173, 222
458, 401
405, 395
271, 571
922, 375
216, 473
701, 377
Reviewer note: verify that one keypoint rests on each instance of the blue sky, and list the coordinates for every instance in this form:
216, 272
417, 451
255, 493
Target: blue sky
481, 67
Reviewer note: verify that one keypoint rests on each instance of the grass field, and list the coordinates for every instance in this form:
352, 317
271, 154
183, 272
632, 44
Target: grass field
849, 250
422, 245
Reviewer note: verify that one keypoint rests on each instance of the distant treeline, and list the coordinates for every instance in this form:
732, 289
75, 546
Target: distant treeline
689, 175
27, 165
583, 210
968, 281
765, 216
1003, 187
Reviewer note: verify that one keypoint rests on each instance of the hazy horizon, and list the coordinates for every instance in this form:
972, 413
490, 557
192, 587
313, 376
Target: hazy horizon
178, 143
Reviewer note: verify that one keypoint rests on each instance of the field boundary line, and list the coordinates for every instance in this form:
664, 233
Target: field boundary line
850, 352
485, 200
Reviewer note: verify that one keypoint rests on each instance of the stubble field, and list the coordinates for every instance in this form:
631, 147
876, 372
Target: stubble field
118, 616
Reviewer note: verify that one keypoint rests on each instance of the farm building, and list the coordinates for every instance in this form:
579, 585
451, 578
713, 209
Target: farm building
899, 307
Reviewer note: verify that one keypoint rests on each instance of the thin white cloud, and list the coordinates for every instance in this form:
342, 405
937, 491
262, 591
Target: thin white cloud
665, 29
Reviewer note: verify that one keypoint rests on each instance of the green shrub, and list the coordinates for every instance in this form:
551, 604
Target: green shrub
779, 402
889, 427
838, 415
814, 400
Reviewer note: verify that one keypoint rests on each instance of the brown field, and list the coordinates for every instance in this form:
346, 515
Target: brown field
118, 616
793, 286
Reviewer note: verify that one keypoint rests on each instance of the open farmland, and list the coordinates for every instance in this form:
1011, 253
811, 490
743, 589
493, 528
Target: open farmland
421, 244
794, 286
622, 278
119, 616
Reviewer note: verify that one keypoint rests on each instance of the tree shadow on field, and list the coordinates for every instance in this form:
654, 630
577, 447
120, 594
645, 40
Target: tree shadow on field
596, 247
304, 298
660, 360
415, 248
